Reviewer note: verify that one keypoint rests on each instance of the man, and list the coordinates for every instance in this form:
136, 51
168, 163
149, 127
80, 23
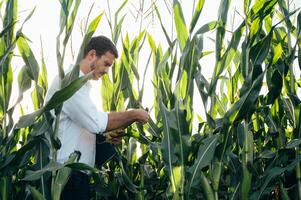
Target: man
80, 120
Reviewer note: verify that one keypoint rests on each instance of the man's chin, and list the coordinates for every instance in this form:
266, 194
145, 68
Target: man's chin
96, 78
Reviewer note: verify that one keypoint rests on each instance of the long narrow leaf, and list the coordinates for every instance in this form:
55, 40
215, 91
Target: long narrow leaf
57, 99
205, 155
196, 14
29, 58
180, 24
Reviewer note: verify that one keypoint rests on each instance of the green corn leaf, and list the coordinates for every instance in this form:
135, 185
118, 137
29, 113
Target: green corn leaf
246, 6
153, 128
163, 27
121, 7
299, 25
167, 145
203, 87
88, 35
107, 89
223, 10
267, 154
37, 98
131, 155
66, 92
152, 43
141, 92
284, 9
29, 58
273, 127
117, 30
83, 167
180, 24
71, 21
220, 33
35, 175
27, 18
298, 119
255, 30
260, 51
7, 29
275, 83
8, 85
174, 147
6, 55
261, 9
179, 181
247, 158
10, 17
235, 193
4, 187
205, 53
242, 107
299, 38
173, 64
65, 9
57, 99
118, 25
268, 23
216, 172
196, 14
161, 69
207, 27
140, 137
43, 81
289, 108
62, 177
54, 166
272, 173
226, 58
234, 84
299, 56
36, 195
20, 157
278, 51
293, 144
205, 184
284, 193
128, 183
205, 155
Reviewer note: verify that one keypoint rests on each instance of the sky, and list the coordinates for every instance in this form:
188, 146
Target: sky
45, 22
44, 25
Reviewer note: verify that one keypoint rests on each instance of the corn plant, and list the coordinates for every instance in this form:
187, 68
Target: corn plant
234, 118
246, 147
25, 164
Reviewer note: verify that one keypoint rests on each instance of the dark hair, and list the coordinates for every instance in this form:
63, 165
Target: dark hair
101, 45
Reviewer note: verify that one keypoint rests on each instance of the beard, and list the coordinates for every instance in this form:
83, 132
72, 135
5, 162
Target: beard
93, 65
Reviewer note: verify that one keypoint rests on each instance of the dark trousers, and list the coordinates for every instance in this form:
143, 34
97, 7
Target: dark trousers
77, 187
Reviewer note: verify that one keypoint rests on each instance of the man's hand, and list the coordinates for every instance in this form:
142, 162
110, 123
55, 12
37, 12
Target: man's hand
115, 136
141, 116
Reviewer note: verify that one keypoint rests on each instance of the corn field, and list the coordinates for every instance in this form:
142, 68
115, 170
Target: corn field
244, 145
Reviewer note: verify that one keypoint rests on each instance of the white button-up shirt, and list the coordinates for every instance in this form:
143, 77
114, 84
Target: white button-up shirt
80, 120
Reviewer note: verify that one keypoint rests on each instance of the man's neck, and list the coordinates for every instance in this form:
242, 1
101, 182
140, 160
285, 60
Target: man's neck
84, 66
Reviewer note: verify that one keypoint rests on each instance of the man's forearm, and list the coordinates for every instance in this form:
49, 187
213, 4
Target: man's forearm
120, 119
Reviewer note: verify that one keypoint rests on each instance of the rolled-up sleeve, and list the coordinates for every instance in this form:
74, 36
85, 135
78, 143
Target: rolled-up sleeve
80, 109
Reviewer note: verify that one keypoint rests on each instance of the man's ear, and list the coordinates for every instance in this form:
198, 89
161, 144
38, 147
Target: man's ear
91, 54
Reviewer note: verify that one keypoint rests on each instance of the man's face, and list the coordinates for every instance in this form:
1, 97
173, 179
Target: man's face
101, 65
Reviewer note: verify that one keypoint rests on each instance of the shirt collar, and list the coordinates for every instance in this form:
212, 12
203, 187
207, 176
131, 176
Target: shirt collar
80, 74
